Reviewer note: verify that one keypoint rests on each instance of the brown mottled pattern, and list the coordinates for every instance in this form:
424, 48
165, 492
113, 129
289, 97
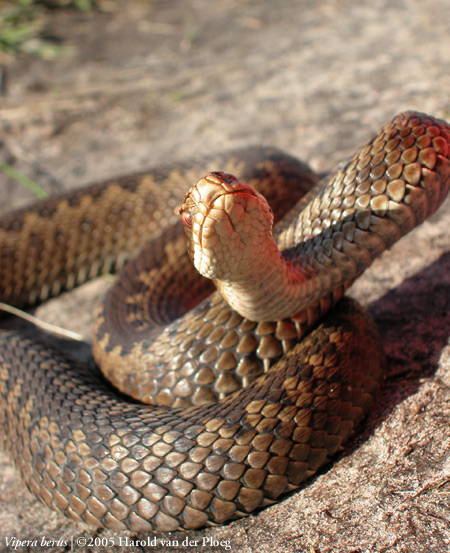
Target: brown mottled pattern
62, 242
96, 457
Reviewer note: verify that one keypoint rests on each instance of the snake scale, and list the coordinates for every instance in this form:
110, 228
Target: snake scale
99, 457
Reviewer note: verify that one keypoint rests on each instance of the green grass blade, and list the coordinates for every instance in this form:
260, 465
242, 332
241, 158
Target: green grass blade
24, 180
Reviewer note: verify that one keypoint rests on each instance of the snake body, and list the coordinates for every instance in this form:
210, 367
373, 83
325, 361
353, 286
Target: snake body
99, 458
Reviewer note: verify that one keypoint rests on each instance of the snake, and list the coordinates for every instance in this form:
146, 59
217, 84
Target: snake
210, 404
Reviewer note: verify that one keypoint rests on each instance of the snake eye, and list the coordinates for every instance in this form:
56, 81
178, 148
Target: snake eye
186, 219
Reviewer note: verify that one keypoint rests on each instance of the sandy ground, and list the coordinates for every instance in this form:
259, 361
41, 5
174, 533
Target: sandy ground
152, 82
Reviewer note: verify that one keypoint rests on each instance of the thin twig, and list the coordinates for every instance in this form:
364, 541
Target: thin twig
64, 333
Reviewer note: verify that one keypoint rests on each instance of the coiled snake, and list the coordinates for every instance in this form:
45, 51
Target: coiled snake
97, 456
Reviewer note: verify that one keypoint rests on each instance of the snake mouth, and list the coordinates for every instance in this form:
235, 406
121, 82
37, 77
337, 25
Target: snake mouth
207, 198
218, 193
208, 189
217, 184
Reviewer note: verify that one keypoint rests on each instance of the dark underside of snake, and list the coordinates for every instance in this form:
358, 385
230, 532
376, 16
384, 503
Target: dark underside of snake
207, 451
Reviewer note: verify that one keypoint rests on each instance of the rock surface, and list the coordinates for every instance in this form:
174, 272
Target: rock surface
150, 83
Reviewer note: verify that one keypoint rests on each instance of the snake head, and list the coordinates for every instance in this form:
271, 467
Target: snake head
227, 224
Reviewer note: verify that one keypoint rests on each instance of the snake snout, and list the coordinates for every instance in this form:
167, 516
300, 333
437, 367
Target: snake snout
227, 178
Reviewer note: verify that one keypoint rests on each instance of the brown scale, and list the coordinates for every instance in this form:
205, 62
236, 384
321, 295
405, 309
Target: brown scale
96, 457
